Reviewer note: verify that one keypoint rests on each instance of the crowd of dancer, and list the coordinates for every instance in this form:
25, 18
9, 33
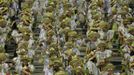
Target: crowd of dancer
69, 37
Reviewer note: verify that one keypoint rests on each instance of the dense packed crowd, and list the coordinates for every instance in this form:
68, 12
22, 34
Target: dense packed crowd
56, 32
